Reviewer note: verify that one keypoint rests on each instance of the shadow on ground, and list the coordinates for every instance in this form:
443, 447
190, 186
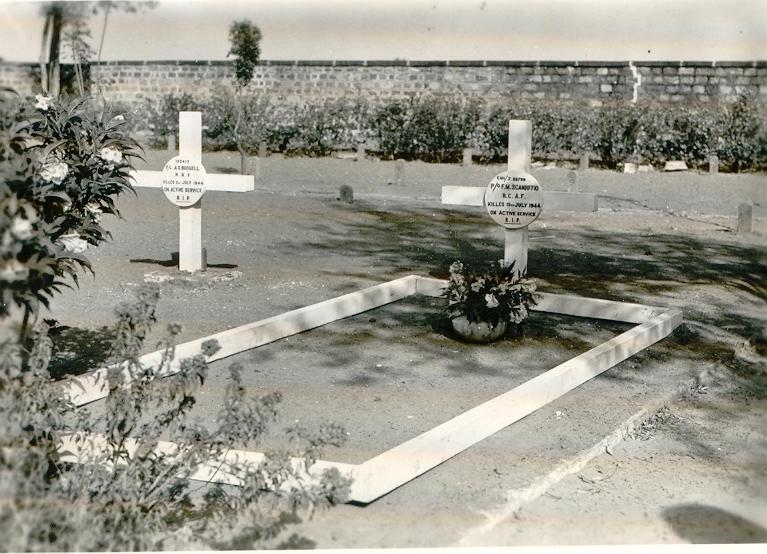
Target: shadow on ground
647, 268
701, 524
78, 350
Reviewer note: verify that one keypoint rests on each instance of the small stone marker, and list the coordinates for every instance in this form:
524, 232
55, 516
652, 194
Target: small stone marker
572, 181
399, 172
346, 194
360, 152
713, 165
262, 151
583, 163
675, 165
745, 215
184, 181
467, 154
629, 167
171, 143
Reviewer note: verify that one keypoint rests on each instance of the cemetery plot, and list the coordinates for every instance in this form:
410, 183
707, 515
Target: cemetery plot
396, 466
391, 374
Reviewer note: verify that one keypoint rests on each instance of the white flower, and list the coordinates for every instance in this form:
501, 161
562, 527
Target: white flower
477, 285
94, 211
54, 172
43, 102
111, 154
73, 243
21, 228
13, 271
491, 301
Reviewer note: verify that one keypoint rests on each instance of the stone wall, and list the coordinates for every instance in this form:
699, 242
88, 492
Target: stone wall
298, 81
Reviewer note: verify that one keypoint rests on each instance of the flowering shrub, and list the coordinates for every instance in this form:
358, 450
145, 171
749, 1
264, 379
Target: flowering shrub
61, 167
499, 294
125, 495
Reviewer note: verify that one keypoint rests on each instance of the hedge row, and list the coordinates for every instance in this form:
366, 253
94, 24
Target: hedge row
437, 129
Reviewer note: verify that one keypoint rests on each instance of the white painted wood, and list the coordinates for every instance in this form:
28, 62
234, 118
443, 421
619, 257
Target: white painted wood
595, 308
86, 389
191, 256
464, 196
393, 468
520, 145
217, 471
519, 159
556, 201
515, 248
190, 134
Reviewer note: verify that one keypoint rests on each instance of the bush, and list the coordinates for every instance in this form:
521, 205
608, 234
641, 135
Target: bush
62, 164
220, 115
318, 129
164, 120
124, 494
438, 128
429, 128
742, 140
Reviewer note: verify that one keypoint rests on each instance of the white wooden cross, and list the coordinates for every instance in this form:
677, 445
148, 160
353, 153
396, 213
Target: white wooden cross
520, 147
191, 256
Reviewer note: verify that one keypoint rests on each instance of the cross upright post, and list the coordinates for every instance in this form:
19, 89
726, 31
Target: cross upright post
513, 199
184, 181
520, 151
190, 252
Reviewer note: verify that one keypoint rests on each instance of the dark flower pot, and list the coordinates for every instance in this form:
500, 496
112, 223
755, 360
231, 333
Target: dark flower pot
480, 332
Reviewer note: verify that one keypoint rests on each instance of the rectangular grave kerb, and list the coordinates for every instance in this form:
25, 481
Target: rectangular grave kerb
395, 467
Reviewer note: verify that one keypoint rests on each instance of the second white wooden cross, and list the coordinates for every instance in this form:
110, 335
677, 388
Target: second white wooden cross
513, 199
184, 181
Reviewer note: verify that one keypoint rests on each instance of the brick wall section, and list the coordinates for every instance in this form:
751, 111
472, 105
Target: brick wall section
20, 77
494, 81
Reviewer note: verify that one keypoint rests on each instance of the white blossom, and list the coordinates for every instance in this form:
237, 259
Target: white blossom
54, 172
43, 102
73, 243
21, 228
491, 301
13, 270
95, 212
111, 154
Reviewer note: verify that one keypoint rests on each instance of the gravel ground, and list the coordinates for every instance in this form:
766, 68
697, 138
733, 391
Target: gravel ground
661, 239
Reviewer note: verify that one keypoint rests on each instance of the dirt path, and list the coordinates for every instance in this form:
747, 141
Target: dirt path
292, 243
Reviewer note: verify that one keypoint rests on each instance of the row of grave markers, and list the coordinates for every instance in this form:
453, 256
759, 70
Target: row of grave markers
513, 199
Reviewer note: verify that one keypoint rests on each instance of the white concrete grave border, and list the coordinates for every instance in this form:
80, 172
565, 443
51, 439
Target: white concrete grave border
395, 467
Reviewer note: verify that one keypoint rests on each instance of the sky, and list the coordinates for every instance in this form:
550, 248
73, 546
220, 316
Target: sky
421, 30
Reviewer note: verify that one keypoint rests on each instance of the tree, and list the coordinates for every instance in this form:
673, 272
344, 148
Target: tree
68, 21
244, 38
51, 43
